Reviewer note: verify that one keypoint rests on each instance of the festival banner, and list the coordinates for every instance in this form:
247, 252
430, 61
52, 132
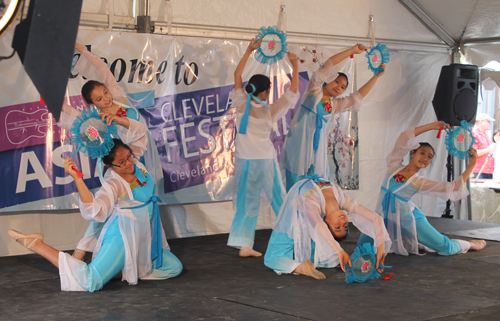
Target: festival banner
181, 88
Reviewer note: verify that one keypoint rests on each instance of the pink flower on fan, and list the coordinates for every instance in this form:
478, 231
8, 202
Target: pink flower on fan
302, 61
271, 45
461, 137
92, 133
365, 266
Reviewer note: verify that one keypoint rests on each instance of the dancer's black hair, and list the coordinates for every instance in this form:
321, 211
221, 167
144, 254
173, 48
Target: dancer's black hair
346, 79
109, 159
260, 82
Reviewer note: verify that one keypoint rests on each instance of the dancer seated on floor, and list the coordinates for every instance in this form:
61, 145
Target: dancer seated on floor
310, 224
305, 149
104, 92
258, 182
405, 223
132, 239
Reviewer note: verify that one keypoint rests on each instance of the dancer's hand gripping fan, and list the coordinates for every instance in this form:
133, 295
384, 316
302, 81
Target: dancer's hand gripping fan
273, 46
377, 56
364, 263
92, 137
459, 140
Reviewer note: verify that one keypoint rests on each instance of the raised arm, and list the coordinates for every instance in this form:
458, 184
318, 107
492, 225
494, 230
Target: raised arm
365, 89
254, 44
289, 99
93, 68
354, 50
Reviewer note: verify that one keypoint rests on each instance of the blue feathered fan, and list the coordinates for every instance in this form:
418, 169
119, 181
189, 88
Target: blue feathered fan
377, 56
364, 263
459, 140
91, 135
273, 46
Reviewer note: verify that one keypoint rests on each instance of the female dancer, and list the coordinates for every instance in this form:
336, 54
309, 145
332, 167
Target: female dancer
104, 92
132, 239
257, 179
305, 149
406, 224
310, 224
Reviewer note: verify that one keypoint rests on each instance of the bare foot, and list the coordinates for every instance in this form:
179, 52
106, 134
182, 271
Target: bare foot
307, 268
477, 245
246, 252
421, 248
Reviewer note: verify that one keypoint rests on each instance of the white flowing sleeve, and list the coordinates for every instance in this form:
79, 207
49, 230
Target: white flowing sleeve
103, 203
350, 103
93, 68
313, 214
66, 120
454, 191
238, 99
286, 102
406, 142
367, 221
326, 73
135, 137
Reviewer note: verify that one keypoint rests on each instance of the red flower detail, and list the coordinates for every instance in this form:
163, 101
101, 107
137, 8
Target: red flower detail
343, 165
121, 112
141, 184
351, 142
314, 60
304, 48
302, 61
399, 178
314, 51
328, 107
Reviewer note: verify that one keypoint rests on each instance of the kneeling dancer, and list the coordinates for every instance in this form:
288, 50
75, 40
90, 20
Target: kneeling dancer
132, 239
310, 224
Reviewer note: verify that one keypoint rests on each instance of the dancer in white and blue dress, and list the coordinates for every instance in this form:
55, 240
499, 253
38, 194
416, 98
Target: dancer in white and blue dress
104, 92
132, 239
258, 182
310, 224
406, 224
305, 149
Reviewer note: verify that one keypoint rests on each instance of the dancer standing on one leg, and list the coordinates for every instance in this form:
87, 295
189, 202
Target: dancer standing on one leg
406, 224
310, 224
305, 149
258, 181
132, 239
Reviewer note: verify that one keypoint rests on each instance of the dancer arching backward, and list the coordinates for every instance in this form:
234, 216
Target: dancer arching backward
132, 239
104, 92
305, 149
258, 181
406, 224
310, 224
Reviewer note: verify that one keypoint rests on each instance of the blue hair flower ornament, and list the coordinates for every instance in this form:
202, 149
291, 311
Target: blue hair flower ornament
459, 140
377, 56
273, 47
91, 135
364, 263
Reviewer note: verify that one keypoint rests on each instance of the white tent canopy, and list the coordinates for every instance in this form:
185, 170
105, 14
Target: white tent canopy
422, 35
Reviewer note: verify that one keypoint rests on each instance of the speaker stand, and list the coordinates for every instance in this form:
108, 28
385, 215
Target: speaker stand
451, 177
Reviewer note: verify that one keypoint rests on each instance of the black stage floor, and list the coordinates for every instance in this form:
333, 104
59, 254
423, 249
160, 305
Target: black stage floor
218, 285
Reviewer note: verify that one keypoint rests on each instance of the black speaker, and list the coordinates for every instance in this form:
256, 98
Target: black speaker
455, 98
45, 43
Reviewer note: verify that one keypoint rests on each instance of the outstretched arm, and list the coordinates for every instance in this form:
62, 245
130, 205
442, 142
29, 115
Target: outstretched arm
254, 44
431, 126
357, 49
295, 71
369, 84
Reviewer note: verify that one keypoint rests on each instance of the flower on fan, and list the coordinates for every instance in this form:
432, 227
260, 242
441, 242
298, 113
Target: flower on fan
92, 133
365, 266
271, 45
461, 137
122, 112
328, 107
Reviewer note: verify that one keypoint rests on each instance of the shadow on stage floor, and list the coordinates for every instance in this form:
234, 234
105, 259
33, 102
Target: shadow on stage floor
218, 285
